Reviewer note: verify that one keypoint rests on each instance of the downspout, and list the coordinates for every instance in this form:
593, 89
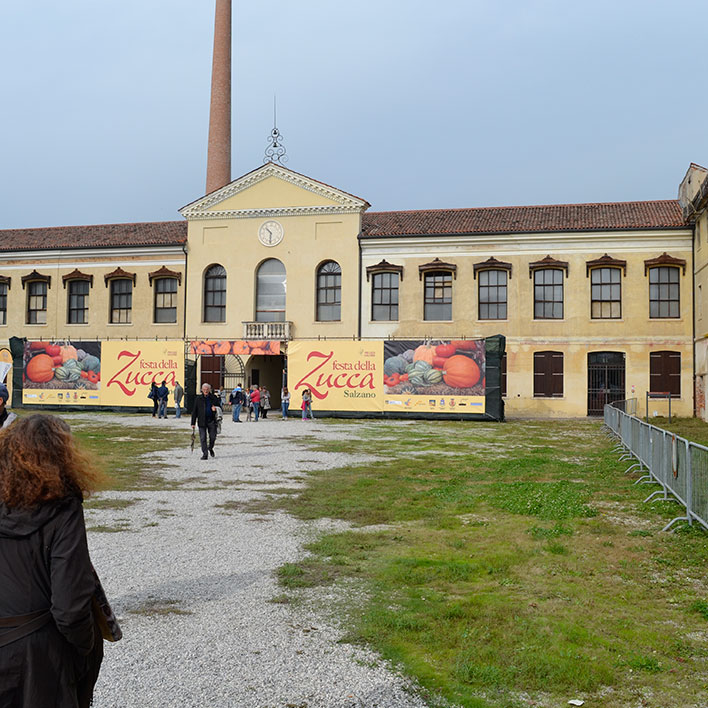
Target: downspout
184, 301
358, 330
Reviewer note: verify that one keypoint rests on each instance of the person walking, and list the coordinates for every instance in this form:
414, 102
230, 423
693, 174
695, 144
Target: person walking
162, 393
265, 402
256, 401
51, 647
6, 416
306, 404
178, 394
285, 402
249, 406
153, 395
237, 400
204, 414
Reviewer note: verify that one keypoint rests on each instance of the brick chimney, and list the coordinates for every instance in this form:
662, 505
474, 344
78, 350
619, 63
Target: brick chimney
219, 152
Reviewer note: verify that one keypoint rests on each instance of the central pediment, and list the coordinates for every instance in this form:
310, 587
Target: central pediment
273, 190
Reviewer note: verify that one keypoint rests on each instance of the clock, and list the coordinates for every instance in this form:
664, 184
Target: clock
270, 233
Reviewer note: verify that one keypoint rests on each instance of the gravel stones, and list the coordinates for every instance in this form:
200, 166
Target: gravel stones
192, 580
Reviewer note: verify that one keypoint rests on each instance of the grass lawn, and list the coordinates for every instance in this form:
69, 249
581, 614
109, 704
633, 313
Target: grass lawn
510, 565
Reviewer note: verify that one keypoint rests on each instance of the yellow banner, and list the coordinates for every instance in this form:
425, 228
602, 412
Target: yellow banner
117, 373
128, 369
342, 376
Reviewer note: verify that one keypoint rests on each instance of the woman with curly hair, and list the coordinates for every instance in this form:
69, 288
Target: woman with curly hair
50, 646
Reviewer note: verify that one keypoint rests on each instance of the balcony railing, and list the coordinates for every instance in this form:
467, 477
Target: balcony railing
267, 330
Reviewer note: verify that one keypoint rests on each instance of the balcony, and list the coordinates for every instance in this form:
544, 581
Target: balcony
281, 331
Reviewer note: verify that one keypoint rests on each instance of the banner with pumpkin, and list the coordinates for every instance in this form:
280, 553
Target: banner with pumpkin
110, 373
438, 376
62, 372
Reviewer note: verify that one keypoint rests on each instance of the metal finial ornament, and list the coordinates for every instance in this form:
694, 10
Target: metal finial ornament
275, 152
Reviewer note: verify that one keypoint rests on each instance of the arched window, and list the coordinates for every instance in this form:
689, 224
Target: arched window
270, 291
215, 294
329, 292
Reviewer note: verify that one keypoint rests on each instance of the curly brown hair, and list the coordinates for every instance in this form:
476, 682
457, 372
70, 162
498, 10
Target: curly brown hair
40, 461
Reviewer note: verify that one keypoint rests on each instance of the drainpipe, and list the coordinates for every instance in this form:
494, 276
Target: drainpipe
358, 315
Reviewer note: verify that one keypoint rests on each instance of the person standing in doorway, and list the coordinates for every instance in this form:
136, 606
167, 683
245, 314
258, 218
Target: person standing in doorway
178, 395
256, 401
285, 402
162, 393
265, 402
204, 414
237, 399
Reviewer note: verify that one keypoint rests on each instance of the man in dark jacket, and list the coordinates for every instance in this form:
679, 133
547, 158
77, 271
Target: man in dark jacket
204, 414
162, 393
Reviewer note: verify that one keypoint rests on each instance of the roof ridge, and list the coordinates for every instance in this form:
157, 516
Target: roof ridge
521, 206
93, 226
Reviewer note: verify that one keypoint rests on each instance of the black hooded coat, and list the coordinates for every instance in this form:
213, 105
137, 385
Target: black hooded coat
45, 565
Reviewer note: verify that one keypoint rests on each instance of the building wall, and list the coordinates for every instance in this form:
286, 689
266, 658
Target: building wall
309, 240
97, 263
635, 334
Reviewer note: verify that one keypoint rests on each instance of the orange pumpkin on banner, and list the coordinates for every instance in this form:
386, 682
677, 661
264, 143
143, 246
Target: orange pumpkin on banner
461, 372
40, 368
240, 348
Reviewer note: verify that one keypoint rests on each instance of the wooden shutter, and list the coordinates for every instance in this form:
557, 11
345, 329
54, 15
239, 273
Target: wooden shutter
665, 373
548, 374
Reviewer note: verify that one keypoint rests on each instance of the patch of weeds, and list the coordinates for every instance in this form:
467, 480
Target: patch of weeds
116, 504
102, 528
642, 533
557, 548
156, 607
701, 607
305, 574
282, 599
542, 532
150, 524
546, 500
644, 663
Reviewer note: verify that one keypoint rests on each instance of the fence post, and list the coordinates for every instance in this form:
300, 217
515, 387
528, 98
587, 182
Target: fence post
689, 482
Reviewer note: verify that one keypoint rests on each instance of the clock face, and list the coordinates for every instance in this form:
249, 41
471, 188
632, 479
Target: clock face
270, 233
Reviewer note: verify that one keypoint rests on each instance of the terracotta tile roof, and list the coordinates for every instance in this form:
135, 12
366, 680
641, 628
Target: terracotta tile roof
526, 219
158, 233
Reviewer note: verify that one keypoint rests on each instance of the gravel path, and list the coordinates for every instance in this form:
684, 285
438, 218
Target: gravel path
193, 585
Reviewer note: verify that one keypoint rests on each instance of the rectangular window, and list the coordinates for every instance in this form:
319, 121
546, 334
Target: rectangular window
36, 302
548, 374
77, 306
548, 294
665, 373
3, 303
384, 297
438, 296
121, 301
664, 292
165, 300
606, 298
492, 295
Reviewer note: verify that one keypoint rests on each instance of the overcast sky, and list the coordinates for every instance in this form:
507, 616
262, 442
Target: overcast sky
407, 104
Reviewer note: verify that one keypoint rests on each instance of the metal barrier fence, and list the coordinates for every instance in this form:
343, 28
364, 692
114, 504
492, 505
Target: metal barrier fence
678, 465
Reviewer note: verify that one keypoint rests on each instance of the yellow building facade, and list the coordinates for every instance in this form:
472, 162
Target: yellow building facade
595, 300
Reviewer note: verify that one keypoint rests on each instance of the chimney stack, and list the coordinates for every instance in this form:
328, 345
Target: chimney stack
219, 152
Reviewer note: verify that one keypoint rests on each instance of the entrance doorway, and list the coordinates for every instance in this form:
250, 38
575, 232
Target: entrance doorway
606, 371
